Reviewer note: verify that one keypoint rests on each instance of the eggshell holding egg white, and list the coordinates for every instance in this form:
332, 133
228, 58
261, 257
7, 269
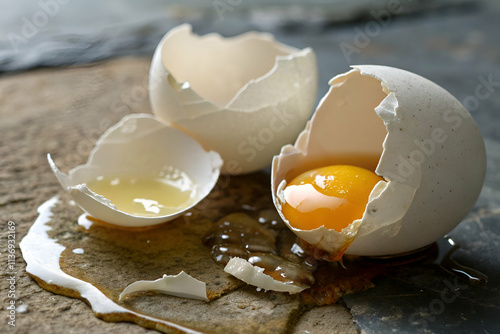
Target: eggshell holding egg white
266, 112
433, 156
139, 145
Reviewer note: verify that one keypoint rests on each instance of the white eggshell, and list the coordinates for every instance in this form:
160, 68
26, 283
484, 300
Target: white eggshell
254, 275
420, 139
180, 285
244, 96
139, 145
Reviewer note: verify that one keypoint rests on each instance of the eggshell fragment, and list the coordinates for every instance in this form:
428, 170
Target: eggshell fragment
180, 285
408, 130
139, 145
244, 96
253, 275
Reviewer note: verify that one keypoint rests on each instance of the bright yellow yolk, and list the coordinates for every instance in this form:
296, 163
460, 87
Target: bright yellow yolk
332, 196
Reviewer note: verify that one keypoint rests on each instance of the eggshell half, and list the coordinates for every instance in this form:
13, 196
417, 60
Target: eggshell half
410, 131
244, 96
139, 145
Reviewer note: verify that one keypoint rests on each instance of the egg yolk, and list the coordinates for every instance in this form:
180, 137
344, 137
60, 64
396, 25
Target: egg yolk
332, 196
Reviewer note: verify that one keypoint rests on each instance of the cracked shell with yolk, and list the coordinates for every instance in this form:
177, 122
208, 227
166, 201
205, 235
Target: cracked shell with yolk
408, 130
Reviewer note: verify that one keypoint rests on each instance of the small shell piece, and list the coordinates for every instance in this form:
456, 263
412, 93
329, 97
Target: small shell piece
139, 145
408, 130
180, 285
253, 275
244, 96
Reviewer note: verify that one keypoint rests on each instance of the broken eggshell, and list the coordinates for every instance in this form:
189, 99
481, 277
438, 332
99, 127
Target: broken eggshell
408, 130
139, 145
254, 275
244, 96
180, 285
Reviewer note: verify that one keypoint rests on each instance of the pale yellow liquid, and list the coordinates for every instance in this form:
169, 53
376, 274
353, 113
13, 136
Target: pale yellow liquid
147, 197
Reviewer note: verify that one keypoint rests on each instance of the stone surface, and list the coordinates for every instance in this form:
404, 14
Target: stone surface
425, 298
333, 319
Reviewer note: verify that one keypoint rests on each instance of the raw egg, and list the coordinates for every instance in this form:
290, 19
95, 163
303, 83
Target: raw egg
421, 152
331, 196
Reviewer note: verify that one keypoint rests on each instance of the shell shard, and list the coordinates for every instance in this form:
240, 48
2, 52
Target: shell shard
180, 285
253, 275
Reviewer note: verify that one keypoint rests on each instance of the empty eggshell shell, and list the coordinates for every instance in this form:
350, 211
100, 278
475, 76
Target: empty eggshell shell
244, 96
408, 130
139, 145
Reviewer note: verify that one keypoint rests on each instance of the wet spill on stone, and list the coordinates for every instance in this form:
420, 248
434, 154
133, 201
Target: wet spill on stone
71, 254
471, 275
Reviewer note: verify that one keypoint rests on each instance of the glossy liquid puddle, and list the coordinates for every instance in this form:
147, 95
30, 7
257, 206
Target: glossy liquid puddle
279, 252
471, 275
447, 262
264, 242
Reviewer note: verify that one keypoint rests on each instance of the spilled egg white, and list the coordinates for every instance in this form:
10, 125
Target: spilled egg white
408, 130
139, 145
244, 97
